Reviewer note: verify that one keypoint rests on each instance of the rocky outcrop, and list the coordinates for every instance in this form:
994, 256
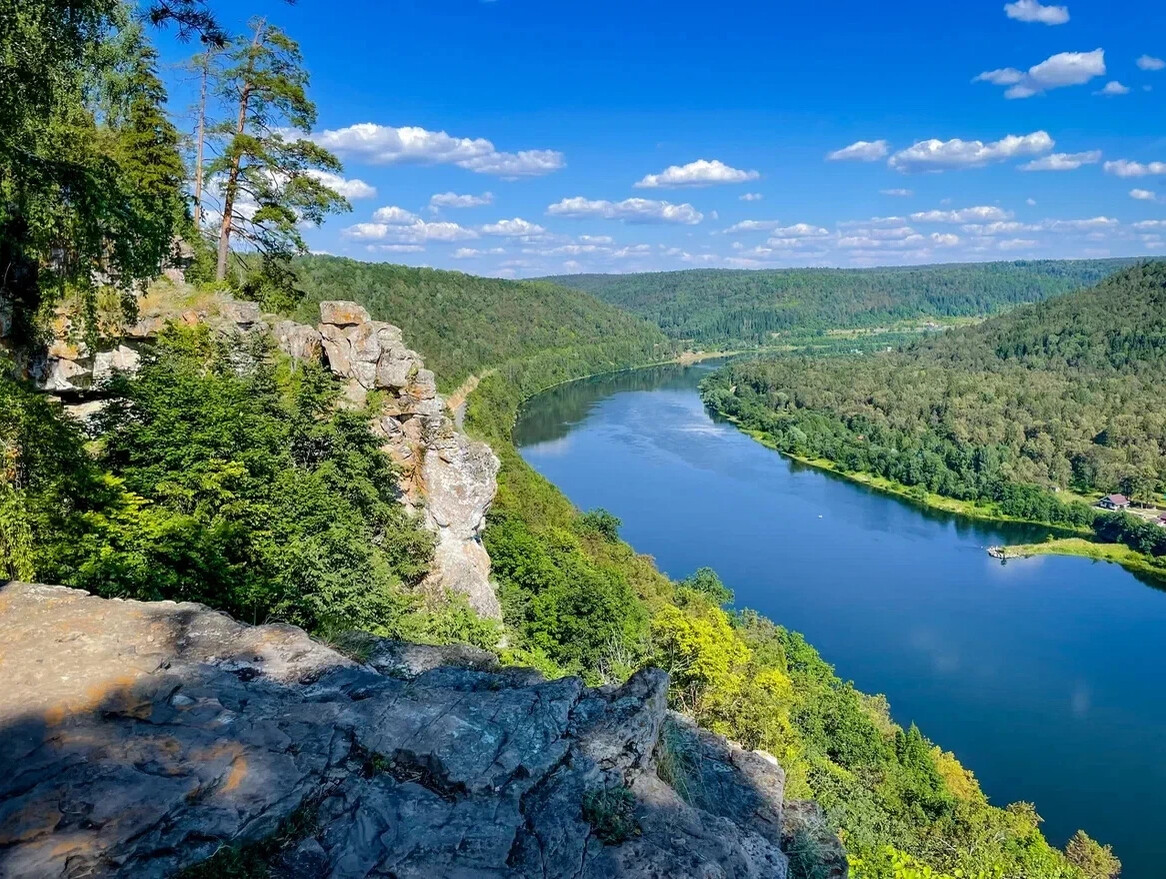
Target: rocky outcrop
447, 478
139, 739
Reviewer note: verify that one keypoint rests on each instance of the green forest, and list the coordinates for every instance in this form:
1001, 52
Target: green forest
728, 309
1034, 413
225, 473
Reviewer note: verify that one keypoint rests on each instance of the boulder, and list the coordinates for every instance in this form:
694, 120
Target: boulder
342, 313
139, 739
244, 315
299, 341
120, 359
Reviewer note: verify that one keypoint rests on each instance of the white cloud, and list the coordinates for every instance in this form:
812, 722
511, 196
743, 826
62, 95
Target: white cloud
1149, 62
417, 232
470, 252
978, 214
1150, 224
1031, 202
899, 193
751, 196
515, 228
944, 239
1086, 225
1056, 71
1113, 87
596, 239
800, 230
351, 189
999, 228
632, 210
1063, 161
387, 145
396, 248
702, 172
1017, 244
1143, 195
941, 155
875, 221
1126, 168
860, 151
393, 216
453, 200
1032, 11
752, 226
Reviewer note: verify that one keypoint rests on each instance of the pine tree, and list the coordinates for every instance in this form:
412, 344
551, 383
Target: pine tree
269, 184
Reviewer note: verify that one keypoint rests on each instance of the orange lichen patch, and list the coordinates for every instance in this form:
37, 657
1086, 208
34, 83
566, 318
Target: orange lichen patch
236, 775
72, 844
113, 693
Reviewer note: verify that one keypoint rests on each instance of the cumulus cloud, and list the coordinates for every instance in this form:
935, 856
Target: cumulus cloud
416, 232
1150, 224
944, 155
1143, 195
631, 210
978, 214
453, 200
702, 172
1085, 225
393, 216
860, 151
751, 196
1149, 62
1032, 11
800, 230
1126, 168
351, 189
515, 228
388, 145
1063, 161
471, 252
1056, 71
1112, 88
752, 226
1017, 244
898, 193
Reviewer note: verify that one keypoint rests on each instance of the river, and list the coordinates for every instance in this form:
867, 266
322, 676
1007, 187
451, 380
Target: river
1045, 676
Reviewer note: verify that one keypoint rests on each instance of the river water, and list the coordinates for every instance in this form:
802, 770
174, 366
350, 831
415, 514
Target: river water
1045, 676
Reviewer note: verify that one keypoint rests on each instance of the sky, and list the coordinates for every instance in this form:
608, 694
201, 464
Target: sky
519, 138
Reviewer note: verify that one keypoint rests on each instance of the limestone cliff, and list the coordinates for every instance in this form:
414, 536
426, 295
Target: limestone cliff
447, 478
140, 739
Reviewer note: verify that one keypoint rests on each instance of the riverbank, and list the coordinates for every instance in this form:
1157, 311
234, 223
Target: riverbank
970, 509
1118, 553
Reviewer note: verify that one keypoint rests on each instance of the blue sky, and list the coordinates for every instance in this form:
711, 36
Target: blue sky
630, 136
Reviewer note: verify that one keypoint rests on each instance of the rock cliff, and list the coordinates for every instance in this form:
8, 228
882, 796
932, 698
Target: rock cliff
447, 478
143, 739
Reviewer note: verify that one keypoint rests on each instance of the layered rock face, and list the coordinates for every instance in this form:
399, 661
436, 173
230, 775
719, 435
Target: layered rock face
139, 739
447, 477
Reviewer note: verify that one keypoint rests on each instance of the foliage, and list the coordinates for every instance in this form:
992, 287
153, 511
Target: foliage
1018, 412
90, 175
601, 522
270, 185
1095, 861
708, 583
729, 308
535, 334
610, 812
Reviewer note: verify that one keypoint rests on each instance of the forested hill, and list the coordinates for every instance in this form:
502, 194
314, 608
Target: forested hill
462, 324
1119, 325
1065, 394
729, 308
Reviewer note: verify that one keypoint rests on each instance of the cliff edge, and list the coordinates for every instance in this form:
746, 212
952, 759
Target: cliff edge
145, 739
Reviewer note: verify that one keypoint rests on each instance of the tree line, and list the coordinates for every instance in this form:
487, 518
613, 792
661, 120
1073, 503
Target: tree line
1027, 411
738, 308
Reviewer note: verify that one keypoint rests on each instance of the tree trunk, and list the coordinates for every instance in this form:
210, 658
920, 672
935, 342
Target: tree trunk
206, 67
232, 187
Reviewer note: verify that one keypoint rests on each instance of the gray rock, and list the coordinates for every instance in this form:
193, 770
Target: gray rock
137, 739
120, 359
342, 313
243, 315
59, 374
298, 340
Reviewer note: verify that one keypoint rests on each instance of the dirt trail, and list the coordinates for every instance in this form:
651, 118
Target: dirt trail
456, 401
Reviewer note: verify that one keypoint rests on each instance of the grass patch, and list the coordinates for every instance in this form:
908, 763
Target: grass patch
253, 860
678, 763
1118, 553
611, 813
